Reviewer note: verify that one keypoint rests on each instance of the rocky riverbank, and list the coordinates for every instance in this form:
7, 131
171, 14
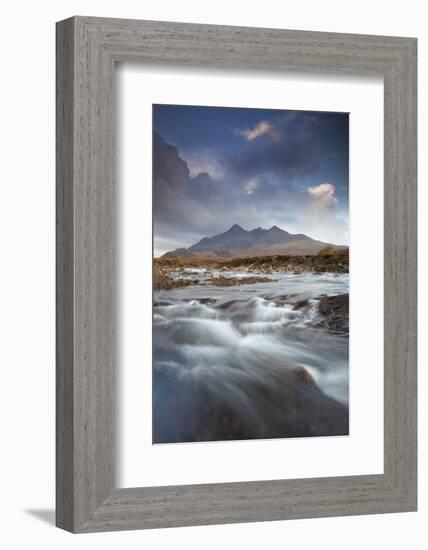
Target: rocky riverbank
234, 281
168, 271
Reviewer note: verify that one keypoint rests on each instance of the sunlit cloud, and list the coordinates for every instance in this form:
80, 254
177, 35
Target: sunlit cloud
251, 186
262, 128
323, 195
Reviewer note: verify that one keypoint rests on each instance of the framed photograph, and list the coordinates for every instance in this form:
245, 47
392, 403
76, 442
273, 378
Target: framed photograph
250, 326
236, 274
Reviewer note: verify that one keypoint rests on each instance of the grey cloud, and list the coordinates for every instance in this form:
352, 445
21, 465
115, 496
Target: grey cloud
290, 156
187, 208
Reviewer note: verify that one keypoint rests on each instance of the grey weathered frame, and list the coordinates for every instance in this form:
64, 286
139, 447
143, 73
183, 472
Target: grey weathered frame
87, 49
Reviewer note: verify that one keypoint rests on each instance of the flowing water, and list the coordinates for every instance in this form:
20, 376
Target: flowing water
248, 361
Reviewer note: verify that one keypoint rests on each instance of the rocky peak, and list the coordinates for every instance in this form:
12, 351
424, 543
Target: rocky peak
235, 228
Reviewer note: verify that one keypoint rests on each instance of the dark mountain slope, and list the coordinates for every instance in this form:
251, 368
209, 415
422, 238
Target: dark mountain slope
257, 242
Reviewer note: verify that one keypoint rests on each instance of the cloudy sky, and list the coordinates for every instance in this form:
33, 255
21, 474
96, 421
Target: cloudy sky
215, 166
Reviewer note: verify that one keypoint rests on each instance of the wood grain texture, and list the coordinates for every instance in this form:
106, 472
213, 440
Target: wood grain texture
64, 276
87, 49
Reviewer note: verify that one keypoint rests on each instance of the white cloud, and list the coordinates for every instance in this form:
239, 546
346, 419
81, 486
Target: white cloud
203, 162
250, 186
325, 218
262, 128
323, 195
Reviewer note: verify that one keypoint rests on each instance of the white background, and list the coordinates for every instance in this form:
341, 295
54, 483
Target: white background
362, 451
27, 274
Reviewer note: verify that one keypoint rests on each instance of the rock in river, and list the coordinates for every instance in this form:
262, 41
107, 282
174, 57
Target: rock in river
336, 311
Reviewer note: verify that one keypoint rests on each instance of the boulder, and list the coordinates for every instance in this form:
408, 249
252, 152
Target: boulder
336, 311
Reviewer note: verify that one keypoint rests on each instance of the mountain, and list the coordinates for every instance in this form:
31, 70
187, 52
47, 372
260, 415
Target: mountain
236, 242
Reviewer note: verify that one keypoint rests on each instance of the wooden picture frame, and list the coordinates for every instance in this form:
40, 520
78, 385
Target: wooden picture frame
87, 50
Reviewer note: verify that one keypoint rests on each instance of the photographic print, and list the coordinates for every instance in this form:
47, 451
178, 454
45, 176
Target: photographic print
251, 274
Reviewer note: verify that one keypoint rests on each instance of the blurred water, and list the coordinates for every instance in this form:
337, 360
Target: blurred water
231, 355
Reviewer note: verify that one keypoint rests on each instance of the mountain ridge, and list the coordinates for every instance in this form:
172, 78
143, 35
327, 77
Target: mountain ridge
236, 242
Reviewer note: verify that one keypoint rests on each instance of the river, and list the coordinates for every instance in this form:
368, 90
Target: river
248, 361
